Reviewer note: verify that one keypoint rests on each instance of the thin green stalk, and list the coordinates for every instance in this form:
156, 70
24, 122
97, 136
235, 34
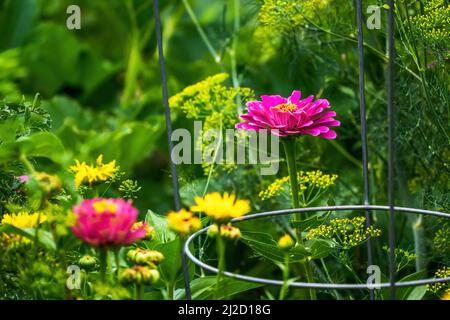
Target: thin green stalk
325, 269
234, 75
139, 291
117, 259
170, 290
134, 59
221, 264
285, 287
103, 263
202, 33
289, 148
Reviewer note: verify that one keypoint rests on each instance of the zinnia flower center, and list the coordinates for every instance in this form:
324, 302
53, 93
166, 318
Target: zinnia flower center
104, 206
285, 107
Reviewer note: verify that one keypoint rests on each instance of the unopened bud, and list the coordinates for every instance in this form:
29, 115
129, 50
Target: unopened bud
286, 242
145, 257
139, 275
88, 263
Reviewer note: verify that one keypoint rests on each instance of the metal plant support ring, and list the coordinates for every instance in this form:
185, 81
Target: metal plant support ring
343, 286
367, 207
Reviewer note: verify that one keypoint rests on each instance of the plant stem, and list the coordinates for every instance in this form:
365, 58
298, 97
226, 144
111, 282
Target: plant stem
202, 33
170, 290
221, 263
117, 259
103, 263
285, 287
289, 149
139, 291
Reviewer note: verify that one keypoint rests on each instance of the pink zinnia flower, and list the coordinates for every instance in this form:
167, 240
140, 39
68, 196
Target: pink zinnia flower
105, 222
290, 116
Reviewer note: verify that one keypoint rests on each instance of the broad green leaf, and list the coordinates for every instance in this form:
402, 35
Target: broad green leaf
417, 293
311, 222
159, 222
45, 238
404, 292
171, 266
264, 245
204, 288
16, 21
42, 144
320, 248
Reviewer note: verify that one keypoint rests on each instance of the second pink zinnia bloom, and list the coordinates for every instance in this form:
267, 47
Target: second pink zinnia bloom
107, 222
290, 116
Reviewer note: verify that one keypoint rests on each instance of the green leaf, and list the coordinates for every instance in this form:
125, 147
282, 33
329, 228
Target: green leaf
159, 222
203, 288
42, 144
45, 238
404, 292
311, 222
16, 21
264, 245
171, 266
417, 293
320, 248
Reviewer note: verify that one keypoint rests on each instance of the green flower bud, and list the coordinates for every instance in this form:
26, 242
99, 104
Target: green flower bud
145, 257
139, 275
88, 263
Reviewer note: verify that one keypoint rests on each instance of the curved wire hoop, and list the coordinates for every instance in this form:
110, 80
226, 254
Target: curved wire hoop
343, 286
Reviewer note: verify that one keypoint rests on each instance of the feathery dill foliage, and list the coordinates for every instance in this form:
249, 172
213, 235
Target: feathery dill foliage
422, 100
441, 241
17, 120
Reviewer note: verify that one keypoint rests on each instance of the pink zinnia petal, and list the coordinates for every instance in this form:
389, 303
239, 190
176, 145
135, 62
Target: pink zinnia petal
105, 222
291, 116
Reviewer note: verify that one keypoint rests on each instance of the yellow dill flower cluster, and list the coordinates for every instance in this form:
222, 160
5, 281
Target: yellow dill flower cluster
178, 100
443, 272
23, 220
210, 98
221, 208
434, 24
402, 257
283, 15
307, 181
90, 174
346, 232
214, 103
184, 222
274, 188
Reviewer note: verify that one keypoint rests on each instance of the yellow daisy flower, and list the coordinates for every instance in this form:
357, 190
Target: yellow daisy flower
183, 222
221, 208
85, 173
23, 220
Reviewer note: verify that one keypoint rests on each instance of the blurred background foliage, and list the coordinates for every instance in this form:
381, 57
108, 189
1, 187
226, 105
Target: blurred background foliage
100, 86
